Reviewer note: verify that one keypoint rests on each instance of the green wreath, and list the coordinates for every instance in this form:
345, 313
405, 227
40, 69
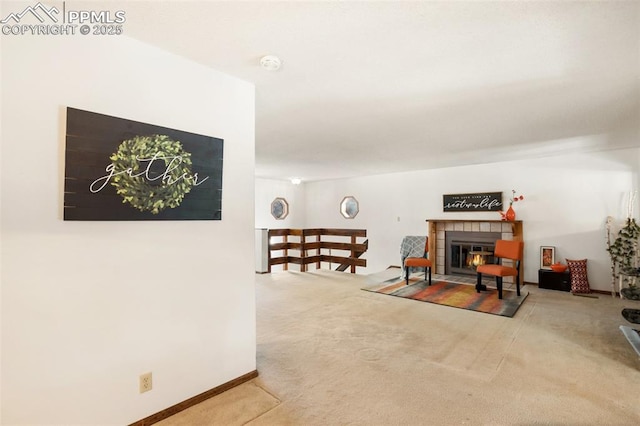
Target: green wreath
139, 181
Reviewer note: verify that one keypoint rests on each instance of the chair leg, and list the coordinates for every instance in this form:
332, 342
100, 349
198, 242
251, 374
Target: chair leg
518, 284
499, 285
406, 271
429, 274
479, 286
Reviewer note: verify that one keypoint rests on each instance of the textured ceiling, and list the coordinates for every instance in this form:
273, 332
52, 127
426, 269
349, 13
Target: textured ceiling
377, 87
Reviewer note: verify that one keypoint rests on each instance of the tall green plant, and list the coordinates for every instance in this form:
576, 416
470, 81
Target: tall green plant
624, 250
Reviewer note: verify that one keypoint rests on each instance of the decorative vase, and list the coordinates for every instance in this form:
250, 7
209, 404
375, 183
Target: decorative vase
511, 214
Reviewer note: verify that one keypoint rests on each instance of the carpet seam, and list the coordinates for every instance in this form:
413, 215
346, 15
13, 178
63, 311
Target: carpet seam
515, 336
270, 409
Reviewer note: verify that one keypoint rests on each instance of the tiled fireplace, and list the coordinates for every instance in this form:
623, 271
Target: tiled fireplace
474, 235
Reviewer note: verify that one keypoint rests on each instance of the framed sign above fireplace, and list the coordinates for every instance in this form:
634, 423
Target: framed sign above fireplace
477, 202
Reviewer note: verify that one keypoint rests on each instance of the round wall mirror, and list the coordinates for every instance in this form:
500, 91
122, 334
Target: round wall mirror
279, 208
349, 207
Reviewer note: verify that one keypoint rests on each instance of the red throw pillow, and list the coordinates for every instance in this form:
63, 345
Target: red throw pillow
579, 280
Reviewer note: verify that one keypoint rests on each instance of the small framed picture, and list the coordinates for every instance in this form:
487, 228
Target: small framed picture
547, 256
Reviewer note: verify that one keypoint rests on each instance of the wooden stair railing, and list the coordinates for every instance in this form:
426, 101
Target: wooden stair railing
355, 254
303, 246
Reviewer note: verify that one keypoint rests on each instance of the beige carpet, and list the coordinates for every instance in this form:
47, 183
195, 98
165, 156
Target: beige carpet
331, 354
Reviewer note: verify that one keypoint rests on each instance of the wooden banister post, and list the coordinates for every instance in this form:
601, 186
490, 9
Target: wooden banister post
353, 254
285, 266
303, 253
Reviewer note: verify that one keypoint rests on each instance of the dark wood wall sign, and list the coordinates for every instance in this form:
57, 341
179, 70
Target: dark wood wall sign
484, 201
118, 169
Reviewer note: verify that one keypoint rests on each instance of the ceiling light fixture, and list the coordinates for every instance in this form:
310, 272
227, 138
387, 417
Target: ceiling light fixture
270, 62
296, 181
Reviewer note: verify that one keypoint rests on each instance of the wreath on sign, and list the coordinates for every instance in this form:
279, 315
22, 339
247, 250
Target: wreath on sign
152, 173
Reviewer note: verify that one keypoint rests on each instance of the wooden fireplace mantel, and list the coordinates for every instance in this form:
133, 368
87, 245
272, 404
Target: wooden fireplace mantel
510, 230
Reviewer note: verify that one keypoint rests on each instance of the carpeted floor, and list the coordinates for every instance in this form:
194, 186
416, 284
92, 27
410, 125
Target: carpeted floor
331, 354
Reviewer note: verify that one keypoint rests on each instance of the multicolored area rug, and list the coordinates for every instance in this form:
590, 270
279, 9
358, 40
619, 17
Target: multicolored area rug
462, 296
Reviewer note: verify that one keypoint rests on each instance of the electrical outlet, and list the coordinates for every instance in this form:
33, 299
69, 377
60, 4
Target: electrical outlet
146, 383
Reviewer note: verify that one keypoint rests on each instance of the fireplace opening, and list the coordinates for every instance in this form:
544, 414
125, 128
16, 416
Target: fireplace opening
464, 251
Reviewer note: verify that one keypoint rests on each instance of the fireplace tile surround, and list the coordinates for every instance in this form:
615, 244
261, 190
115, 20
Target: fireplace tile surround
509, 230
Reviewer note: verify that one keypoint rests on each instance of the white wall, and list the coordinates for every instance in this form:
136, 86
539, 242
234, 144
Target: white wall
268, 190
89, 306
567, 201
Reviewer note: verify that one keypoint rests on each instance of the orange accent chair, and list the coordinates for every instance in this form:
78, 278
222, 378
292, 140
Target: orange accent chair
504, 250
419, 262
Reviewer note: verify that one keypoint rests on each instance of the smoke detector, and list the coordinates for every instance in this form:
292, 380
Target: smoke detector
270, 62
